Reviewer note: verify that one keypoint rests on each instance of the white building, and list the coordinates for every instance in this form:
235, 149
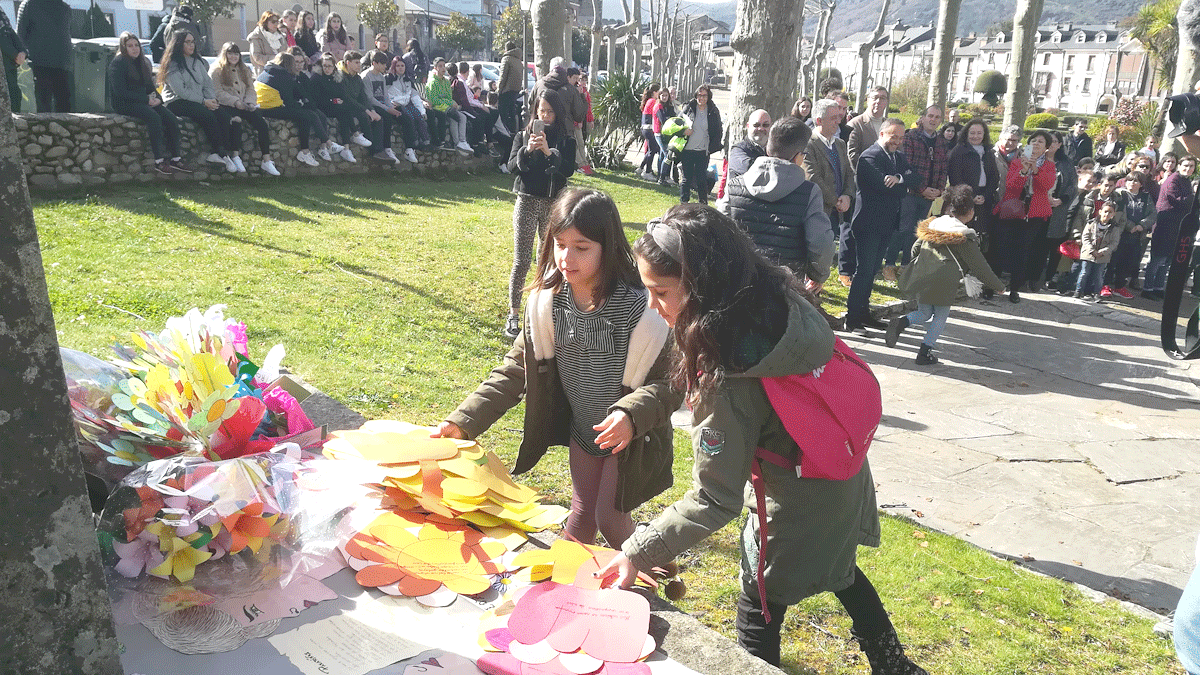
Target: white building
903, 50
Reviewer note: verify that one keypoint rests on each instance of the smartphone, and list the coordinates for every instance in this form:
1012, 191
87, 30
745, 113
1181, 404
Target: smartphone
1028, 152
539, 127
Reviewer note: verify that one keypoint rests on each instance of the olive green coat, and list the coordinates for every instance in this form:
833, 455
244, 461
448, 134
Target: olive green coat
530, 371
814, 526
933, 276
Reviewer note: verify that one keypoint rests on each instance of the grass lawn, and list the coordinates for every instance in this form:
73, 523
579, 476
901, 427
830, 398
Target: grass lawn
389, 295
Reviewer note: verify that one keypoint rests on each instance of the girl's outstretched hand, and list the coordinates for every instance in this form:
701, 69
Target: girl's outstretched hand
623, 571
449, 430
616, 431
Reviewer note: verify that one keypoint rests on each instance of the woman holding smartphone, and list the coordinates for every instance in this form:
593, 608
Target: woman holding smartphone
543, 157
1026, 207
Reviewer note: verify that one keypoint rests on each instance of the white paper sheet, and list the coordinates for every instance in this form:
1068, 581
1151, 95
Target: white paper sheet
359, 641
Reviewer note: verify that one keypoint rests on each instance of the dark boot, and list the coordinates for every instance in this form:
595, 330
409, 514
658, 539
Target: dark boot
895, 328
886, 655
924, 357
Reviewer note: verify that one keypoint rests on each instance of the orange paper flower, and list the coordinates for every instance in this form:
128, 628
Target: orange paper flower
248, 527
402, 563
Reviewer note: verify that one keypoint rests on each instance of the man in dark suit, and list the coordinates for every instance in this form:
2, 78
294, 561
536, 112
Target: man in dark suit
883, 179
1079, 144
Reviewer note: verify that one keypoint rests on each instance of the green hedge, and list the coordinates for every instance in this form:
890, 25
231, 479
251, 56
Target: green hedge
1041, 121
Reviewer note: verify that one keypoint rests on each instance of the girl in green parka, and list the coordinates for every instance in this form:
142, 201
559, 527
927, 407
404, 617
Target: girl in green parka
946, 251
737, 318
591, 363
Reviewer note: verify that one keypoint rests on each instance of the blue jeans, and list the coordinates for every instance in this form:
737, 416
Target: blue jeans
1156, 273
869, 243
1187, 625
939, 314
662, 156
1091, 274
913, 210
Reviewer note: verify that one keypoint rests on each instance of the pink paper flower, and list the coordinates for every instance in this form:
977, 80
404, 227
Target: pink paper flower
279, 401
138, 555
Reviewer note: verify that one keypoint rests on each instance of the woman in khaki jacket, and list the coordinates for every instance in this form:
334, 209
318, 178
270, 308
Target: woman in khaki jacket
591, 363
234, 85
266, 40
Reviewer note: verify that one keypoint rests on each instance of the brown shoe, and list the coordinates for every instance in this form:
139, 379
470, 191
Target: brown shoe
889, 274
845, 280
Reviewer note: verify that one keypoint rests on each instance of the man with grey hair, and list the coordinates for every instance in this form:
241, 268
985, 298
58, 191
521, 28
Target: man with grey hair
828, 165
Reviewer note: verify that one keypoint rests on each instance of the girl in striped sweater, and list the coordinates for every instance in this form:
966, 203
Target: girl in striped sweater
591, 363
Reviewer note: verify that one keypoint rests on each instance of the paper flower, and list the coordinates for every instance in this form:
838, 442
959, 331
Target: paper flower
149, 504
181, 559
399, 562
247, 528
138, 555
280, 402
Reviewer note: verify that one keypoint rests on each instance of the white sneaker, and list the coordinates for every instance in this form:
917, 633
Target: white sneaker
214, 158
391, 155
307, 157
462, 145
237, 161
347, 155
360, 139
501, 127
335, 148
229, 165
410, 155
268, 167
504, 168
324, 153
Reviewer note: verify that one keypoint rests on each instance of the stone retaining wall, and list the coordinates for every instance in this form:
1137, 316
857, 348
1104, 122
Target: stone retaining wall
66, 150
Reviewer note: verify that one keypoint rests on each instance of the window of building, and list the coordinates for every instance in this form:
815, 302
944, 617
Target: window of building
1041, 83
1056, 37
1081, 37
1046, 59
1066, 85
1071, 62
1087, 85
1091, 64
1101, 37
992, 58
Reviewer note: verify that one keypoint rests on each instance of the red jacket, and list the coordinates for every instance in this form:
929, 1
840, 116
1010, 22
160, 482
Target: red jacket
1043, 182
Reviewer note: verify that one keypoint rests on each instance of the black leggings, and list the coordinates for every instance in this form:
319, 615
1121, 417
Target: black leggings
307, 122
256, 120
648, 160
762, 639
1015, 238
161, 126
52, 89
345, 116
214, 123
438, 125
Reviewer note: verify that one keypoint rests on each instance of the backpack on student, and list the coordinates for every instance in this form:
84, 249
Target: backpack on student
832, 414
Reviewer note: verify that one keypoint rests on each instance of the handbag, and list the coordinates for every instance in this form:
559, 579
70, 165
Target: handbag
1069, 249
1017, 208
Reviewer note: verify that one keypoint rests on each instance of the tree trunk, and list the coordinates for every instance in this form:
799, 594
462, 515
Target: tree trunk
1020, 82
55, 601
597, 36
549, 17
633, 48
765, 44
943, 53
864, 57
1187, 61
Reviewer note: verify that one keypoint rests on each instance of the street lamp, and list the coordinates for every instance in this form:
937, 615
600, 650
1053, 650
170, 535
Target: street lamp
898, 31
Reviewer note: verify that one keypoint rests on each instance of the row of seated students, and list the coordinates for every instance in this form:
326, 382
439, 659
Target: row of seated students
221, 100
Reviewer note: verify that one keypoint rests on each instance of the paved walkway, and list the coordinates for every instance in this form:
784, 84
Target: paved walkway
1053, 431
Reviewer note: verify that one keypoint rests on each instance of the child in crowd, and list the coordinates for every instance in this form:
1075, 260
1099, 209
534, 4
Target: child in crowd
649, 131
1098, 242
356, 94
543, 157
591, 362
946, 251
234, 84
402, 93
334, 39
304, 92
737, 318
328, 88
664, 111
1174, 202
1140, 215
133, 94
187, 90
375, 81
278, 99
1088, 180
441, 101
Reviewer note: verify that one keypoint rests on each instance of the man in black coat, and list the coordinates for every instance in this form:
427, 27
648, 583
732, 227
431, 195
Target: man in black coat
1079, 144
42, 26
750, 148
883, 179
181, 19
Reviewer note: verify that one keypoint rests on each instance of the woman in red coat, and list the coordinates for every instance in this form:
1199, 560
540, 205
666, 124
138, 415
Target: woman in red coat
1031, 176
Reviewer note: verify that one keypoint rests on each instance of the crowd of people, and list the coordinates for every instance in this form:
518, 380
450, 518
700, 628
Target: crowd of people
1047, 211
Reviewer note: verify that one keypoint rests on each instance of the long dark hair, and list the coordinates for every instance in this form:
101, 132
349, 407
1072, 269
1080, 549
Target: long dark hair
557, 129
415, 48
595, 215
303, 31
340, 35
142, 69
173, 57
987, 135
736, 300
650, 92
1060, 155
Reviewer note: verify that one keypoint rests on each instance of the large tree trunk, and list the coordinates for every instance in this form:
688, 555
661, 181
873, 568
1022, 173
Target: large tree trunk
55, 602
548, 17
1020, 82
864, 57
943, 52
765, 43
633, 48
597, 37
1187, 60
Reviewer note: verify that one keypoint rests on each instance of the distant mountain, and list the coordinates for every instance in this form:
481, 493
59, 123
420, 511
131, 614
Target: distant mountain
853, 16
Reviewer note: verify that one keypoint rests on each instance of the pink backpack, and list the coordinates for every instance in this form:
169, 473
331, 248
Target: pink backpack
832, 413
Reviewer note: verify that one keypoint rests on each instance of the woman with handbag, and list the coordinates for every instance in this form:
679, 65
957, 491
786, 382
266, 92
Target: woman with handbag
1025, 209
1043, 264
946, 252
